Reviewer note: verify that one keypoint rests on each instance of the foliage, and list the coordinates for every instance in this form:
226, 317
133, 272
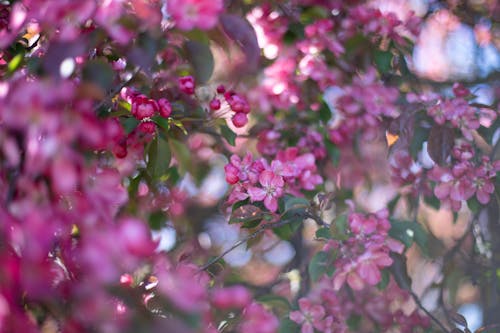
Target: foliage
240, 166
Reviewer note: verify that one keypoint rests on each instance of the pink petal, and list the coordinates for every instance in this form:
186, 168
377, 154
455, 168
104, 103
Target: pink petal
271, 203
307, 328
483, 197
256, 193
277, 181
266, 178
317, 312
339, 280
369, 272
297, 317
354, 281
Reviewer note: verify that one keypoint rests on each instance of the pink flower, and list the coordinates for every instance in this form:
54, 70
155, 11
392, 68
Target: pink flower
310, 316
231, 297
191, 14
272, 189
165, 108
143, 107
186, 84
257, 319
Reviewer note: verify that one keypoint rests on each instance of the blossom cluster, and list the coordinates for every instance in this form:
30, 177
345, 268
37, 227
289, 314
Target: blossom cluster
259, 180
236, 103
359, 107
144, 109
457, 112
465, 179
113, 114
323, 310
366, 252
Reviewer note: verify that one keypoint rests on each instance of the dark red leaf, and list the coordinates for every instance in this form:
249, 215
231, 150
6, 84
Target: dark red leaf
240, 31
246, 213
440, 143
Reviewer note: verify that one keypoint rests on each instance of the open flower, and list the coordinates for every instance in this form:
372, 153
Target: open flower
272, 189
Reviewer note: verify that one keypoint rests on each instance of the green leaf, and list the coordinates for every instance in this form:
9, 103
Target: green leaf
384, 280
392, 204
408, 232
353, 322
286, 231
159, 156
197, 35
201, 58
382, 60
288, 326
333, 152
157, 220
433, 202
295, 203
323, 233
319, 265
162, 123
228, 134
178, 124
340, 227
324, 112
398, 270
15, 62
182, 155
129, 124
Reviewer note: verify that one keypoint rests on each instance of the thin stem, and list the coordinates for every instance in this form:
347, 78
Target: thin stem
430, 315
244, 240
115, 91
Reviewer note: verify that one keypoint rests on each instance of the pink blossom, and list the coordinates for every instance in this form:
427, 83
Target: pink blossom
272, 189
257, 319
186, 84
231, 297
309, 317
190, 14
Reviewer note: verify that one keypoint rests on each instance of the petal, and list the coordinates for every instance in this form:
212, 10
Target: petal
266, 178
271, 203
256, 193
317, 312
483, 197
339, 280
369, 272
277, 181
305, 304
307, 328
354, 281
297, 317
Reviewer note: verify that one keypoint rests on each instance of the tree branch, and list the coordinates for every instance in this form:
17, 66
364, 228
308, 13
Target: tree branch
115, 91
257, 232
430, 315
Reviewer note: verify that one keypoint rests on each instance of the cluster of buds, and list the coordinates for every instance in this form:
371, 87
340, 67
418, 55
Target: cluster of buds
144, 109
236, 103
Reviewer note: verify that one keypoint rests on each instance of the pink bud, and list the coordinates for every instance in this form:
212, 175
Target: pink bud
240, 119
221, 89
147, 127
186, 84
215, 104
165, 107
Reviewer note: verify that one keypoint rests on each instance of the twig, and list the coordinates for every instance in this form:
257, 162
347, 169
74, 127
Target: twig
115, 91
316, 219
430, 315
244, 240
